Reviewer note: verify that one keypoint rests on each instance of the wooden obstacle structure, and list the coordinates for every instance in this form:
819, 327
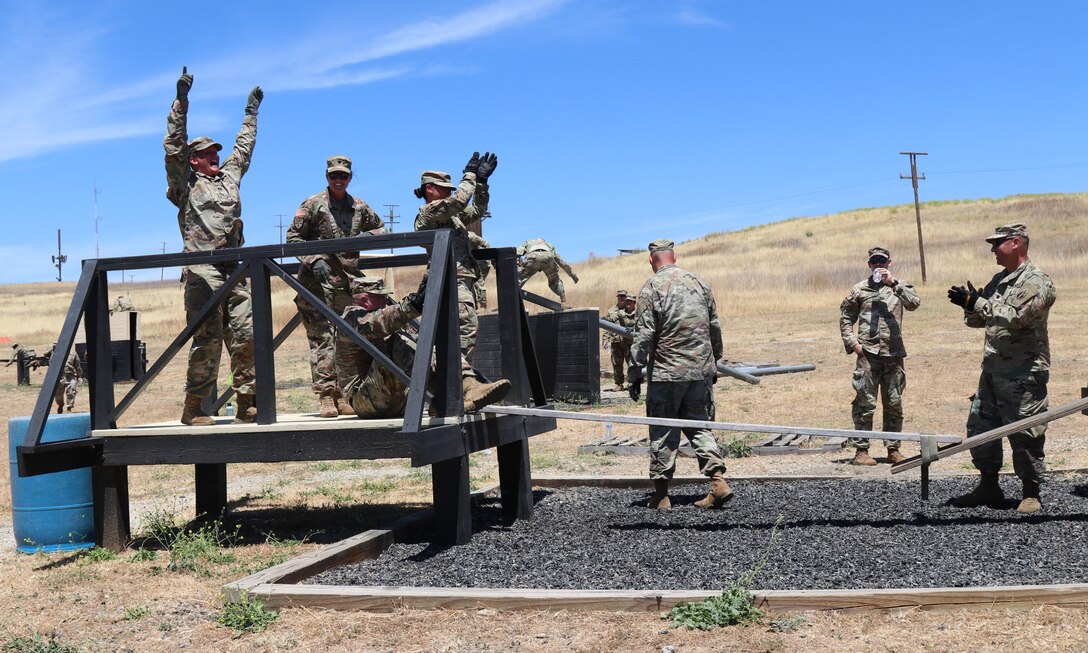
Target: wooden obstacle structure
444, 443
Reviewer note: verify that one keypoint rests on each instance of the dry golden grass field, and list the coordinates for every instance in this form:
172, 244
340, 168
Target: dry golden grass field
778, 289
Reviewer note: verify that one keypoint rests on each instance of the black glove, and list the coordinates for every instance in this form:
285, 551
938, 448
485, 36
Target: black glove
415, 300
635, 390
185, 82
254, 101
574, 277
965, 297
422, 289
488, 163
322, 271
473, 164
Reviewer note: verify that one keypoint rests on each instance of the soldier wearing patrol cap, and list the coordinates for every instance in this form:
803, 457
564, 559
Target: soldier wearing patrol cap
332, 213
372, 390
620, 346
1013, 308
455, 207
678, 340
876, 306
209, 204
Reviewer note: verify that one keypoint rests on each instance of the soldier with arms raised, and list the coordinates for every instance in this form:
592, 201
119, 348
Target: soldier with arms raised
210, 217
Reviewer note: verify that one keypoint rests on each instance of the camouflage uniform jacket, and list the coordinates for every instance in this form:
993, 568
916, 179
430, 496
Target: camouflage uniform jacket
677, 334
322, 217
447, 213
877, 309
209, 208
73, 369
1014, 308
376, 326
622, 317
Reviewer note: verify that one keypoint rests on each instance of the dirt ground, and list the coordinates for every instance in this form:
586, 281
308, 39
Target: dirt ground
151, 601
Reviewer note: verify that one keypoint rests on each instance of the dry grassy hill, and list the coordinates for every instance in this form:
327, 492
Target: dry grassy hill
778, 288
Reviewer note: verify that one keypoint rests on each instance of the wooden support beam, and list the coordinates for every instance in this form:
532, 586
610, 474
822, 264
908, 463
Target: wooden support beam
995, 434
452, 522
109, 487
211, 489
718, 426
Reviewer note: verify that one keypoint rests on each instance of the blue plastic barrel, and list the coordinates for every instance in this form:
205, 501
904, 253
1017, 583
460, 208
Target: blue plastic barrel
51, 512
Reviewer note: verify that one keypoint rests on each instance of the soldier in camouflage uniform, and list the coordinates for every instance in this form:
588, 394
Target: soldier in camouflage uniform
210, 217
678, 340
876, 306
455, 210
28, 355
1013, 308
538, 255
620, 347
121, 305
71, 376
332, 213
372, 390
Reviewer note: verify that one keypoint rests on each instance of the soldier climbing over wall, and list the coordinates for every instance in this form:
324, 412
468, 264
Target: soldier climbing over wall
538, 255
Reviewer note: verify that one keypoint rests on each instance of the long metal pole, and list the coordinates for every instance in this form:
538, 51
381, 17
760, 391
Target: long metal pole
917, 206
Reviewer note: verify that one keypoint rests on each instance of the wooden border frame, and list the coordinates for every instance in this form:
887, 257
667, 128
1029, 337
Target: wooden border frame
278, 586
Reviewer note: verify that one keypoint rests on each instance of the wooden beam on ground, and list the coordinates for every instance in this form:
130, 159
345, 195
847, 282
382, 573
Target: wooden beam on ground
717, 426
995, 434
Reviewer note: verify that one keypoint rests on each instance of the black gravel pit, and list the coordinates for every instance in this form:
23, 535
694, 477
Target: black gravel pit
831, 534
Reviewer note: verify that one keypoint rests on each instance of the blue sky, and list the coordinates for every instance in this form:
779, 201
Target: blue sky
615, 122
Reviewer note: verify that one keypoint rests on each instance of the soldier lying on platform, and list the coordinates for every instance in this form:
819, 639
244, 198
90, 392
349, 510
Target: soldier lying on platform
372, 390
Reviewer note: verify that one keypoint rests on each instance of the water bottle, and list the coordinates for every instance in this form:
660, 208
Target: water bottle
230, 410
607, 430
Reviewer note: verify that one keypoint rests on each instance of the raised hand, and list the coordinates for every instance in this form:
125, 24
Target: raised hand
185, 82
488, 163
254, 100
473, 163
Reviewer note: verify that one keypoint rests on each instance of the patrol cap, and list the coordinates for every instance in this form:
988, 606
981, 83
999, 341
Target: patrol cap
1008, 231
880, 251
621, 293
661, 245
202, 143
373, 285
338, 163
436, 177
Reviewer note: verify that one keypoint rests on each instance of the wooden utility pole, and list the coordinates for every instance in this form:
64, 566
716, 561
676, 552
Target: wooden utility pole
917, 207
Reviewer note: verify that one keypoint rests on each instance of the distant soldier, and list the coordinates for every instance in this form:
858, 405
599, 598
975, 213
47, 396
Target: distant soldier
538, 255
480, 286
876, 306
121, 304
70, 379
1013, 308
620, 346
455, 210
372, 390
210, 218
678, 340
332, 213
27, 353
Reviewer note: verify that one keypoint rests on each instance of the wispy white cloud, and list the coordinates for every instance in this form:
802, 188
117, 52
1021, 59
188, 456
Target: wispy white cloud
689, 16
56, 98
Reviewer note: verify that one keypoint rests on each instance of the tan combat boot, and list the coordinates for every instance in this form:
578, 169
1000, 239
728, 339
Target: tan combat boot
477, 395
862, 457
660, 498
720, 492
328, 405
1031, 503
342, 405
193, 414
247, 411
894, 457
988, 493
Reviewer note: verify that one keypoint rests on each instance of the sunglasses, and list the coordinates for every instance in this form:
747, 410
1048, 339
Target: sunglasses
338, 175
878, 260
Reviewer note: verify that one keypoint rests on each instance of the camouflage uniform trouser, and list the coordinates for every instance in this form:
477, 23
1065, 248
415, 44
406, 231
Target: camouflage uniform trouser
230, 323
682, 400
378, 393
1002, 400
468, 323
66, 392
319, 331
542, 262
886, 374
621, 350
480, 288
